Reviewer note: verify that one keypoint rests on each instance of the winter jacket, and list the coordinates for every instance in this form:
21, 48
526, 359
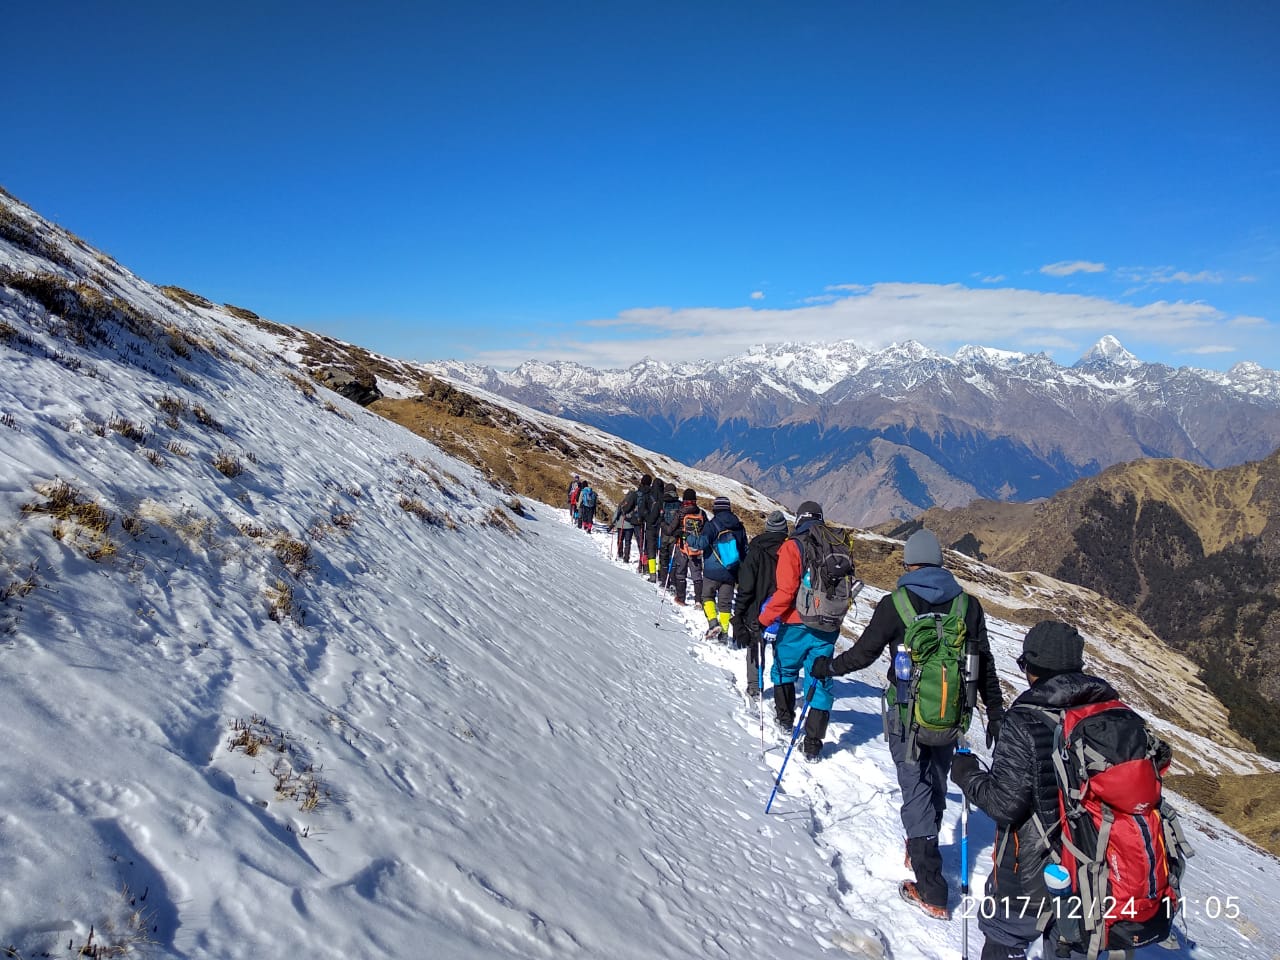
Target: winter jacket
930, 590
755, 583
675, 530
620, 521
782, 605
1021, 782
712, 568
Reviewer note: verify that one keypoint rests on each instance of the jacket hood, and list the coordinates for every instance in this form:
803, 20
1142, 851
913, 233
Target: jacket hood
931, 584
1068, 690
806, 526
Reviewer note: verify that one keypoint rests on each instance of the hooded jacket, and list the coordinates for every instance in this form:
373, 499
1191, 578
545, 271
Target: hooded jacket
930, 590
721, 521
755, 582
782, 605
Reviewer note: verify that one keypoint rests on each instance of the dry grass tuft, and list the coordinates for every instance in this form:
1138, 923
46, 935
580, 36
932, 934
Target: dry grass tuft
280, 603
155, 459
228, 464
343, 521
424, 513
294, 555
501, 520
302, 383
20, 588
177, 449
26, 236
240, 312
206, 419
7, 420
86, 522
128, 429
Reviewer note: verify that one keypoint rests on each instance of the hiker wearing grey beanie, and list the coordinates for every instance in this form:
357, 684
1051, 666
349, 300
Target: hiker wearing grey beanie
923, 756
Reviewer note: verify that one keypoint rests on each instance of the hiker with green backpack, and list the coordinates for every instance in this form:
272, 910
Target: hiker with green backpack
937, 638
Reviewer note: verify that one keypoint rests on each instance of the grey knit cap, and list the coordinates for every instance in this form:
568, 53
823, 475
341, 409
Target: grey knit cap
776, 522
922, 547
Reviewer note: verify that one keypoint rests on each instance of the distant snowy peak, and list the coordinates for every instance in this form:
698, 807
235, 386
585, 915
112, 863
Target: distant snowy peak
1108, 352
989, 356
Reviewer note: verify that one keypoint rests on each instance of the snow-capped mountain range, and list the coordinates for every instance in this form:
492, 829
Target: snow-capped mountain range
889, 433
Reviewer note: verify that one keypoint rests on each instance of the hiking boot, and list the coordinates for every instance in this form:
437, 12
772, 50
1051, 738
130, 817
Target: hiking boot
652, 578
907, 890
786, 721
812, 749
680, 602
713, 632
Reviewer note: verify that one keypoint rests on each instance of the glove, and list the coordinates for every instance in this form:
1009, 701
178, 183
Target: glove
963, 767
994, 722
821, 668
771, 631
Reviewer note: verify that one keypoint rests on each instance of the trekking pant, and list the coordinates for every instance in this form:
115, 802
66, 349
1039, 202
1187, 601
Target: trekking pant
624, 543
687, 568
717, 602
753, 644
652, 542
923, 781
1010, 928
797, 648
666, 562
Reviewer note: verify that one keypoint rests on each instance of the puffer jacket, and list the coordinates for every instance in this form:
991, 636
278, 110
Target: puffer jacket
1021, 782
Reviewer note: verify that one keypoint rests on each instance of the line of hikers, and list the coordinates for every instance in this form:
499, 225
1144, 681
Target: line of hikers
1088, 854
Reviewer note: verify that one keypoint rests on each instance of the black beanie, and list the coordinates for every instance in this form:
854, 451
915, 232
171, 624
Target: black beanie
689, 494
645, 480
809, 510
1052, 647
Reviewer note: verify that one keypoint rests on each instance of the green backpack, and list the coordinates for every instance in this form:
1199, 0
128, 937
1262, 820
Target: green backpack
937, 708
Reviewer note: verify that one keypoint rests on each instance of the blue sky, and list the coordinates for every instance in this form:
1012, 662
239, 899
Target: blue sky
603, 181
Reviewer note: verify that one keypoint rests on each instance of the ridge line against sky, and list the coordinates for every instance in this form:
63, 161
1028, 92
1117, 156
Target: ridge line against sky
503, 182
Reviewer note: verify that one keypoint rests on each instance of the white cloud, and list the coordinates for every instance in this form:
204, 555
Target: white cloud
1065, 268
998, 278
942, 316
1170, 275
1245, 320
757, 294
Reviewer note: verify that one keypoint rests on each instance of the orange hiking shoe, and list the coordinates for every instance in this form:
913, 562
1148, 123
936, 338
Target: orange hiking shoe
907, 890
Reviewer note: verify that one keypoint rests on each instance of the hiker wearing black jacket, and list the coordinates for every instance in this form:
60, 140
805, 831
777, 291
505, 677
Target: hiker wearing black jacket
1021, 785
625, 520
651, 543
670, 511
718, 580
922, 769
686, 561
755, 584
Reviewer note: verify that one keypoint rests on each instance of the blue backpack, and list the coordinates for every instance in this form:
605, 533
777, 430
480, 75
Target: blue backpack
588, 500
726, 548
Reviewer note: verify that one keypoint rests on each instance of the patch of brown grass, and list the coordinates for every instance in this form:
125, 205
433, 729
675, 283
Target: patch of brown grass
1243, 801
87, 521
228, 464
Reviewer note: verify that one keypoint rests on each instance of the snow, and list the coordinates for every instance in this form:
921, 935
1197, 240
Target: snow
514, 746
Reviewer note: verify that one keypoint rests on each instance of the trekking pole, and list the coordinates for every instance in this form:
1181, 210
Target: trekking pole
795, 735
964, 865
760, 682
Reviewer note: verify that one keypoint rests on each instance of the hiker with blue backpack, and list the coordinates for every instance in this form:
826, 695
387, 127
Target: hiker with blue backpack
1087, 853
587, 501
723, 542
940, 660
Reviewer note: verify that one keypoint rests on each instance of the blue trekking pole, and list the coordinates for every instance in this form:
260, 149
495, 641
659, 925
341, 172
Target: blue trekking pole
795, 735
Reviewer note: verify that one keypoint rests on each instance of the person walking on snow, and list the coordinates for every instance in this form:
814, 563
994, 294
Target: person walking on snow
755, 584
922, 766
687, 560
574, 485
586, 506
722, 541
798, 646
667, 521
626, 518
651, 542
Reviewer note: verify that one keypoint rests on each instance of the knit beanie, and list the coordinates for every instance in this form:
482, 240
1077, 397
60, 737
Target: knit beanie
719, 504
689, 494
776, 522
671, 488
809, 510
1052, 647
645, 480
922, 547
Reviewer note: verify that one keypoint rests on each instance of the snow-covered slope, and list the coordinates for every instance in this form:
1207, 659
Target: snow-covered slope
282, 680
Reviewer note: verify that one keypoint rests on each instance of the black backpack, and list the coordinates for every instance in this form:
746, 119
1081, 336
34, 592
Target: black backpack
827, 582
636, 515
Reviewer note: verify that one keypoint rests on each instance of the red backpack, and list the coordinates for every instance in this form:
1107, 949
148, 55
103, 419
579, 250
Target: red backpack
1116, 836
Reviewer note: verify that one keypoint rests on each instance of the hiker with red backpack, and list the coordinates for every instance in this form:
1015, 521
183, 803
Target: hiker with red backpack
686, 560
1075, 791
755, 585
723, 542
940, 662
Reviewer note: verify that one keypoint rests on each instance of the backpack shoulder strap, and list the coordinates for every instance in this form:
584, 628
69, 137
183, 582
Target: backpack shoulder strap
904, 606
